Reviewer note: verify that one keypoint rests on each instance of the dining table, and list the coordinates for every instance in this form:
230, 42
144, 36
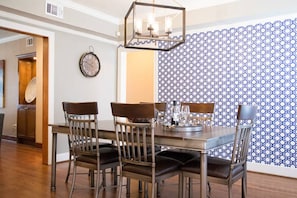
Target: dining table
204, 140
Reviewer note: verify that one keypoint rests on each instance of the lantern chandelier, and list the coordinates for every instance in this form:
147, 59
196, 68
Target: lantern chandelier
154, 26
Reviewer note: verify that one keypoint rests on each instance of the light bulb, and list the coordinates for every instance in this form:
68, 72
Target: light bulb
168, 25
150, 21
138, 26
156, 28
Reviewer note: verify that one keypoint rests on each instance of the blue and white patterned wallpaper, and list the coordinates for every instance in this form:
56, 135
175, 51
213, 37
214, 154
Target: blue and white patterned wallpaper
253, 64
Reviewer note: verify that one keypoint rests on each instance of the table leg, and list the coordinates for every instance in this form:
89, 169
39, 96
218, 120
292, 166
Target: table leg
54, 152
203, 175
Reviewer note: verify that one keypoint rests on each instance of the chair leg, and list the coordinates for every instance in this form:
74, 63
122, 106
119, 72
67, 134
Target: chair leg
190, 187
69, 167
97, 184
155, 190
120, 187
244, 187
140, 186
209, 187
115, 176
92, 173
230, 190
146, 190
128, 187
103, 177
183, 191
158, 189
73, 181
180, 186
183, 186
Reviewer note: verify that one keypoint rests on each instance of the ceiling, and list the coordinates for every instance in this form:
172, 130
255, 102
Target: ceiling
115, 10
6, 36
4, 33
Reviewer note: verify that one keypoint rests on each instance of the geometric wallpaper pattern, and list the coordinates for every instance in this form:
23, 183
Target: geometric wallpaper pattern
253, 64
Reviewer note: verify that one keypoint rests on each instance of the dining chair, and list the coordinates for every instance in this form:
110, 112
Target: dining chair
160, 111
83, 126
227, 171
101, 144
203, 112
136, 147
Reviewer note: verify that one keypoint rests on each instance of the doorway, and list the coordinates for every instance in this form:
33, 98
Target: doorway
137, 76
26, 112
42, 53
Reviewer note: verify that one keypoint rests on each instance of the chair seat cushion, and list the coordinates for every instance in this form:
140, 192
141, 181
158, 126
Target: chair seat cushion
107, 155
216, 167
101, 145
163, 165
106, 144
149, 149
182, 156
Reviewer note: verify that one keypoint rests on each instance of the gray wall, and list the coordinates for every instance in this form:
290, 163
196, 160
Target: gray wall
9, 52
66, 81
71, 85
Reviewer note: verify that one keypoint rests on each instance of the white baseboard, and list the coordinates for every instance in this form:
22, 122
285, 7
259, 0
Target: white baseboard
272, 170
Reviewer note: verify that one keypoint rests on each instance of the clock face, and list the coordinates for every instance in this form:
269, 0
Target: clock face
89, 64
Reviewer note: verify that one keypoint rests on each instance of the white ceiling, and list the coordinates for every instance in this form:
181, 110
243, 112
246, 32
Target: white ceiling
6, 36
116, 9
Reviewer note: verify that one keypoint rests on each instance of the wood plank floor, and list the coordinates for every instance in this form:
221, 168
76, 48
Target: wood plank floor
23, 175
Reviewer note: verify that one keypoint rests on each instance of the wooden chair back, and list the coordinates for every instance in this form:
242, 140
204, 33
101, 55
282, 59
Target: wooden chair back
136, 145
201, 113
245, 119
133, 137
64, 106
200, 107
136, 139
84, 137
161, 106
228, 171
82, 118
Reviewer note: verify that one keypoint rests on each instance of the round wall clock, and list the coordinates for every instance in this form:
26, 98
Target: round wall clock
89, 64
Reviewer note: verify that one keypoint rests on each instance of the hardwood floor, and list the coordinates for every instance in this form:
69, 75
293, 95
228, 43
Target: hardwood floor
23, 175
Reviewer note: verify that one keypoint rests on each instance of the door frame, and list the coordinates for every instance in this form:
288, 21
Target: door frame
122, 73
47, 104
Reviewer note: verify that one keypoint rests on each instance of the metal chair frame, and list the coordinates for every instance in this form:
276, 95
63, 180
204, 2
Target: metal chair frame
64, 106
137, 147
83, 126
245, 119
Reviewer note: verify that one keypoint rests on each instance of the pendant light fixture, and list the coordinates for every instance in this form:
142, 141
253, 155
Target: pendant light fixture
154, 26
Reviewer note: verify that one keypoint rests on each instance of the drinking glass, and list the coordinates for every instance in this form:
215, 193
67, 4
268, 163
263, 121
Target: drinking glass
185, 113
160, 117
